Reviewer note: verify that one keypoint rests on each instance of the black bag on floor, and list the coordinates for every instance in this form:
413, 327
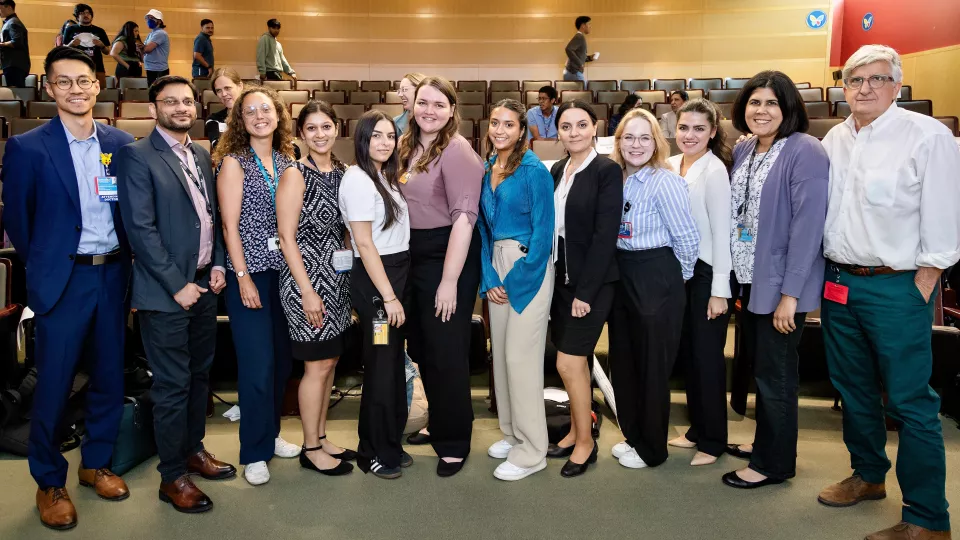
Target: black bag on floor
135, 442
558, 420
15, 434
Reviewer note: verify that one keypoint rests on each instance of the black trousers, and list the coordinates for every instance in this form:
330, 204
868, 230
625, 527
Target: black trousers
705, 368
180, 348
16, 77
644, 333
135, 70
154, 75
442, 349
383, 404
776, 367
273, 76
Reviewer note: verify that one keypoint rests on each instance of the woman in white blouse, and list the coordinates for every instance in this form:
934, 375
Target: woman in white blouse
705, 163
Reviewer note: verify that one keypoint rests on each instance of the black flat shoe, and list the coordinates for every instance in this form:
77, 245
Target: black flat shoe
735, 451
445, 469
346, 455
571, 468
418, 438
341, 469
556, 451
731, 479
406, 460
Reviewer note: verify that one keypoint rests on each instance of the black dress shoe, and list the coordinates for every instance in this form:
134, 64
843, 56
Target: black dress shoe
731, 479
445, 469
571, 469
418, 438
556, 451
406, 460
346, 455
735, 451
341, 469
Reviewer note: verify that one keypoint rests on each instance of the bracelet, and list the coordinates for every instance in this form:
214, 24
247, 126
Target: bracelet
394, 299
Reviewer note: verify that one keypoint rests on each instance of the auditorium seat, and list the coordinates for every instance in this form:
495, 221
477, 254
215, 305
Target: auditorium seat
669, 84
202, 143
501, 86
294, 96
392, 97
206, 97
612, 97
472, 112
343, 86
136, 127
111, 83
133, 82
695, 93
19, 126
659, 109
534, 86
817, 109
343, 149
582, 95
633, 85
819, 127
6, 94
835, 94
548, 150
483, 127
601, 127
278, 85
41, 109
108, 94
479, 86
202, 84
735, 82
352, 127
104, 121
138, 94
467, 129
530, 97
705, 84
497, 96
295, 109
602, 111
214, 107
11, 108
922, 106
602, 86
310, 86
472, 98
104, 109
841, 109
375, 86
563, 86
725, 95
726, 109
811, 94
951, 122
731, 133
346, 112
674, 147
652, 96
906, 92
336, 97
24, 94
392, 110
802, 85
360, 97
131, 109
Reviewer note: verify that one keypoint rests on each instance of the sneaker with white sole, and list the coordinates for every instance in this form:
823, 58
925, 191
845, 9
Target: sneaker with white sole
510, 472
632, 460
620, 449
282, 448
257, 473
499, 449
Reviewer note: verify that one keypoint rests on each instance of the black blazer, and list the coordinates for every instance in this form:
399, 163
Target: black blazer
162, 223
592, 221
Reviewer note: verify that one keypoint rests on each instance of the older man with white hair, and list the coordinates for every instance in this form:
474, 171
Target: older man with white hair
892, 228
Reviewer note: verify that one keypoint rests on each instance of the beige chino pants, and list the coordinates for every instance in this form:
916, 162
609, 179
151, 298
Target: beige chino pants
518, 341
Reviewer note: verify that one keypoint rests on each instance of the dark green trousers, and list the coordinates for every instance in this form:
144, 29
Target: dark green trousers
880, 342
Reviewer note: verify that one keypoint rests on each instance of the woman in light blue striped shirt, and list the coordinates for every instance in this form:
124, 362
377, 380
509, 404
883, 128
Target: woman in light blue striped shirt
656, 252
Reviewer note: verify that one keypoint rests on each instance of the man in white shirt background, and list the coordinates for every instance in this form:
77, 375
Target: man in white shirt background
892, 228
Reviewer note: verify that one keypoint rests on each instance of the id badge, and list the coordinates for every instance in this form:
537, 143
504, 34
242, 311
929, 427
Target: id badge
223, 127
343, 260
381, 330
107, 188
273, 244
404, 178
743, 234
836, 292
626, 230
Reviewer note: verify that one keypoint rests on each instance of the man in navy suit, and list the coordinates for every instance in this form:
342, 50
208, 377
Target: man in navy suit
61, 214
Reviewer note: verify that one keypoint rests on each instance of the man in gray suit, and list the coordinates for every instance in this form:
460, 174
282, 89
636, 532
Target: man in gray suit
167, 192
14, 48
576, 51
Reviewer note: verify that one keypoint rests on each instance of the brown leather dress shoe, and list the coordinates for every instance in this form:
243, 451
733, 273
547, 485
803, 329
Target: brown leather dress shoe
209, 467
56, 508
908, 531
107, 485
851, 491
185, 496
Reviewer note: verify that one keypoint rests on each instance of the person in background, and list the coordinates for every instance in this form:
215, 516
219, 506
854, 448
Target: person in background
58, 221
270, 59
668, 120
252, 155
656, 252
315, 284
157, 47
375, 212
440, 180
228, 86
587, 200
632, 101
126, 50
778, 207
166, 189
576, 51
89, 38
14, 47
408, 85
58, 41
704, 165
516, 233
542, 120
203, 50
892, 228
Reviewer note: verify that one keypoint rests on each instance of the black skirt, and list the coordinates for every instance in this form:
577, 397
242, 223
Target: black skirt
571, 335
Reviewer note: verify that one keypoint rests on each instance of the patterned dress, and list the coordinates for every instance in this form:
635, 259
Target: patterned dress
319, 234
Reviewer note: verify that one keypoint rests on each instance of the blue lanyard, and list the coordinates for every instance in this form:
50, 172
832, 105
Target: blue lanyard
272, 182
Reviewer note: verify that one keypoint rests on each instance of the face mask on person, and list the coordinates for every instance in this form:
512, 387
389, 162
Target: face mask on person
152, 24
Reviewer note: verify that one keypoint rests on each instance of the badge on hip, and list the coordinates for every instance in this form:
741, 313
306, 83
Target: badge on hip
107, 188
626, 230
836, 292
743, 233
343, 260
273, 243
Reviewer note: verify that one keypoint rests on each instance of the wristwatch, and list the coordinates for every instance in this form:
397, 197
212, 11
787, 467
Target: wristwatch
241, 273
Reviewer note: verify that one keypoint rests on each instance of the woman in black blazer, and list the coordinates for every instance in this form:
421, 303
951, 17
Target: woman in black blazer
588, 198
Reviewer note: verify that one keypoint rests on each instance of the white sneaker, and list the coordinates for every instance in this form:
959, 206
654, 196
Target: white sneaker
510, 472
499, 449
257, 473
631, 460
620, 449
284, 449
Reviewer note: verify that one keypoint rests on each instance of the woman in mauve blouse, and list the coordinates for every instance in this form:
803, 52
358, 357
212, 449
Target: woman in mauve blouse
440, 180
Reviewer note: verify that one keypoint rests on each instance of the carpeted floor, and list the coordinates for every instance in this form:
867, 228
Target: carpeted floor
674, 500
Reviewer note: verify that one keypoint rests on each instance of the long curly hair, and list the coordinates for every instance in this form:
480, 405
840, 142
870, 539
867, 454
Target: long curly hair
520, 148
236, 140
411, 137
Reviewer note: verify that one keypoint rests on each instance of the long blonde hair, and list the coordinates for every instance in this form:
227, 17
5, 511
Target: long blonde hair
661, 149
411, 137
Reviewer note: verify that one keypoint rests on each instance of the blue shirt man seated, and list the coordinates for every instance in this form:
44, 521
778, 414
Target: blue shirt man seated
542, 120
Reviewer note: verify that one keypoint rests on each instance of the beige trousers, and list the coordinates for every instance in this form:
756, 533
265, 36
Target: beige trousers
518, 341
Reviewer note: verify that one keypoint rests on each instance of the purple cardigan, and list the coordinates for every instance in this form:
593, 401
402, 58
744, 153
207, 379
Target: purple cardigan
793, 210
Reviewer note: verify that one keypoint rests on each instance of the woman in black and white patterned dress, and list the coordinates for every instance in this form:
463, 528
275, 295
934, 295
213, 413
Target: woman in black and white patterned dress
314, 289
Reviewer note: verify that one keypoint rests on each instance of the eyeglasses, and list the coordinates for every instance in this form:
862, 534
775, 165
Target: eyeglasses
251, 110
173, 102
65, 83
404, 89
630, 140
875, 81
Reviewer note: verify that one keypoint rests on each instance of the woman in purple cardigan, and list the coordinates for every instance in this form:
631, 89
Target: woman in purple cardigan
779, 206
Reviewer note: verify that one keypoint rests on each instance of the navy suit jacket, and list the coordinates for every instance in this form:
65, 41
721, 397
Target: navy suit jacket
41, 212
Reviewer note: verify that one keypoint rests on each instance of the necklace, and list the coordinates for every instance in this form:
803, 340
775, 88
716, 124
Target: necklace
500, 165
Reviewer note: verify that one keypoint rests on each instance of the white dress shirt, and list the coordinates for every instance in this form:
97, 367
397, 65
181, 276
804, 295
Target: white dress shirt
709, 185
668, 124
894, 193
560, 200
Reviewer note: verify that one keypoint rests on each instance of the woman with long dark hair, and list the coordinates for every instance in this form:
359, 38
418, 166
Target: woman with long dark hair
516, 232
315, 283
440, 179
127, 50
375, 213
632, 101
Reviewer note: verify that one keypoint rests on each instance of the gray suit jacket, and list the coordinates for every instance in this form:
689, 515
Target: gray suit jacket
17, 56
161, 221
577, 53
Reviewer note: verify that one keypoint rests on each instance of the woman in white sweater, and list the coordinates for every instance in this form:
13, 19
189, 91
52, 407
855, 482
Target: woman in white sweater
705, 163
